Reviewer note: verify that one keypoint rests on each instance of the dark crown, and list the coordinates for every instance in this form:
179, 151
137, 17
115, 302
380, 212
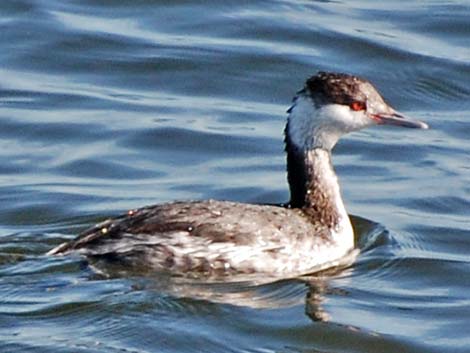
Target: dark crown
326, 87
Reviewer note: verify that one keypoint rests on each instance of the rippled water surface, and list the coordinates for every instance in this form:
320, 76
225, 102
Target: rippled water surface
111, 105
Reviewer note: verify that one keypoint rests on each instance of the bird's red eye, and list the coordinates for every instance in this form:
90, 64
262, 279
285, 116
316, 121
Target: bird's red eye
357, 106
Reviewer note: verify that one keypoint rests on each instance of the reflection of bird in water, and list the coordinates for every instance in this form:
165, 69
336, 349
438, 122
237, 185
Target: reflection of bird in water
225, 238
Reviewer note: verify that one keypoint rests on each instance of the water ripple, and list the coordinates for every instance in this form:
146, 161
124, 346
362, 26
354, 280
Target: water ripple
110, 105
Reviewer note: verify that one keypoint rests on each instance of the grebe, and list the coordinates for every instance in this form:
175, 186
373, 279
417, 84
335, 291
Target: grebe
224, 238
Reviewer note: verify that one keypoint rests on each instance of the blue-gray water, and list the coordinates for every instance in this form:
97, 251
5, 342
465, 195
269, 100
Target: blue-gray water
111, 105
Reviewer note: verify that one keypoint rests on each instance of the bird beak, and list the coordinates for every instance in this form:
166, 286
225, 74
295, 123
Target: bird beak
398, 119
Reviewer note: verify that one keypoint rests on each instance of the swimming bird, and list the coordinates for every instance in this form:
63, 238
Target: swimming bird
223, 238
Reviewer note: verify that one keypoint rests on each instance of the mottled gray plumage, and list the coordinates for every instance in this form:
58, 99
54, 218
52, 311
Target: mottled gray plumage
178, 237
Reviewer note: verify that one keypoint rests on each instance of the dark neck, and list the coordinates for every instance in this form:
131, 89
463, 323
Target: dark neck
314, 185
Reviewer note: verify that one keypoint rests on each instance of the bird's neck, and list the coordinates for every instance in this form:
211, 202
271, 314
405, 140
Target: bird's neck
314, 186
309, 136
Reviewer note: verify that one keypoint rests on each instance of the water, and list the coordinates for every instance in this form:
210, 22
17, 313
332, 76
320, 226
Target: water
110, 105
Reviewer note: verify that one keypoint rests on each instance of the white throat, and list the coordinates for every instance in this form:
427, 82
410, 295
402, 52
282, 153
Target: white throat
312, 127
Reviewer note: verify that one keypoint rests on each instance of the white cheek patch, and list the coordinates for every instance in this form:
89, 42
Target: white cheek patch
343, 119
310, 127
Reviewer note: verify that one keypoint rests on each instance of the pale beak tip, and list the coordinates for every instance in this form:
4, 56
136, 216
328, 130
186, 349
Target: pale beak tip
400, 120
424, 126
